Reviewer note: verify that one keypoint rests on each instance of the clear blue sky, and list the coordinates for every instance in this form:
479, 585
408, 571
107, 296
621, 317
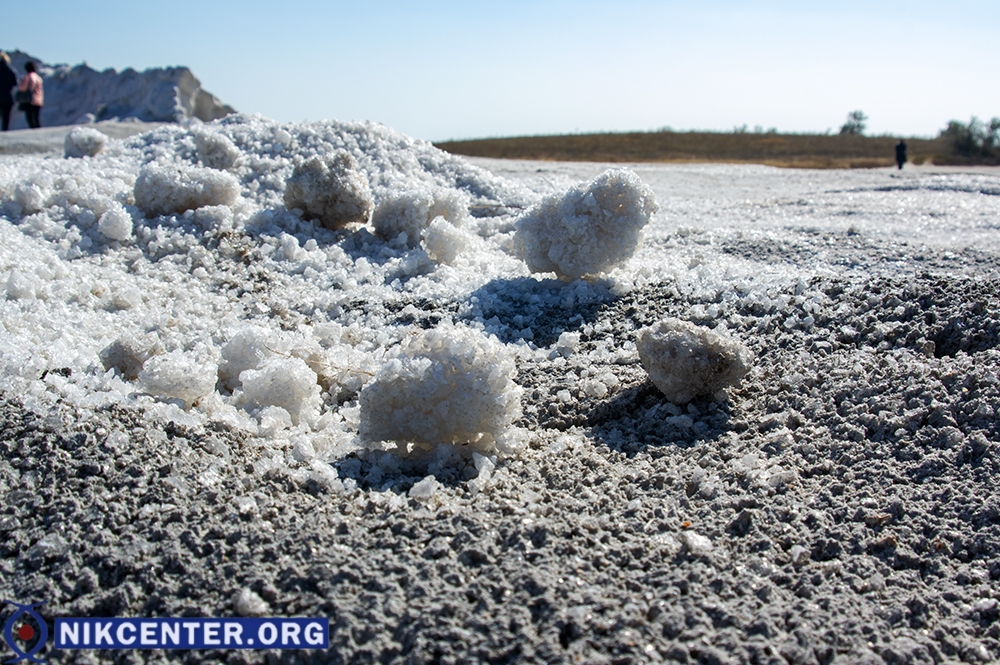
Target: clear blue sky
464, 69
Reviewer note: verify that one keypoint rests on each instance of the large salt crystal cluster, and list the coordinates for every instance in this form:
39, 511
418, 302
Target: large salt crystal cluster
450, 385
588, 230
164, 190
333, 191
83, 142
685, 360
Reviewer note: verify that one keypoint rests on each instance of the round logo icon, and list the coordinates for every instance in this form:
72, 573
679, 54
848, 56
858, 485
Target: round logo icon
25, 632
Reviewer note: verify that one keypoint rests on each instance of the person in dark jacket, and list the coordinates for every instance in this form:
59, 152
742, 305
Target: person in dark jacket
901, 153
7, 81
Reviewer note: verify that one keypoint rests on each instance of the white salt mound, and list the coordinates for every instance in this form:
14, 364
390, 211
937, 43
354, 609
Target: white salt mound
333, 191
84, 142
163, 190
685, 360
449, 385
588, 230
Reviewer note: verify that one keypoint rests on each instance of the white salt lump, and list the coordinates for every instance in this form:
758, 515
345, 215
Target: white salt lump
178, 376
450, 385
116, 223
443, 242
249, 604
215, 150
84, 142
684, 360
413, 211
244, 351
128, 354
284, 382
163, 190
588, 230
333, 191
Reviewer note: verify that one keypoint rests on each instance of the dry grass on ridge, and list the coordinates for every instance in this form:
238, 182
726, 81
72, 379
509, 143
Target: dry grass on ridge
786, 150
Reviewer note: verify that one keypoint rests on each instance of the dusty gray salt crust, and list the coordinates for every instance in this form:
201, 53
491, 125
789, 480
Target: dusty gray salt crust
841, 507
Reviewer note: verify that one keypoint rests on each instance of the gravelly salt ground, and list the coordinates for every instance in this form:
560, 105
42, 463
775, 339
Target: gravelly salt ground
840, 507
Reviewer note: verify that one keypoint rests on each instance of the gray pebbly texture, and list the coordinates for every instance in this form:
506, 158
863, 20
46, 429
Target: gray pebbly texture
841, 507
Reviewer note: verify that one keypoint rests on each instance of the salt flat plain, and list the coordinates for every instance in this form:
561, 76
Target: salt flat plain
839, 506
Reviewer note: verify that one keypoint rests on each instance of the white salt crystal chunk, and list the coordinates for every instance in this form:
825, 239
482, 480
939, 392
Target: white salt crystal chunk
685, 360
424, 489
249, 604
696, 544
178, 376
284, 382
83, 142
164, 190
446, 385
588, 230
116, 223
333, 191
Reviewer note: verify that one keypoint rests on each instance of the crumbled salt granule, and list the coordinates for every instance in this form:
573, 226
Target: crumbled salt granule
588, 230
684, 360
696, 544
325, 476
799, 555
424, 489
247, 603
83, 142
485, 466
333, 191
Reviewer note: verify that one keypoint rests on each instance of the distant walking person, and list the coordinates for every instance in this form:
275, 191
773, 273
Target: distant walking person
901, 153
32, 82
7, 81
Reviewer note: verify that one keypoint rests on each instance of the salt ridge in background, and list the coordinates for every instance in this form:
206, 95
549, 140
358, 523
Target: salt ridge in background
80, 95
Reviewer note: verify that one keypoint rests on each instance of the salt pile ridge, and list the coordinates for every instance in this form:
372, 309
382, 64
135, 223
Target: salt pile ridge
180, 271
78, 94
